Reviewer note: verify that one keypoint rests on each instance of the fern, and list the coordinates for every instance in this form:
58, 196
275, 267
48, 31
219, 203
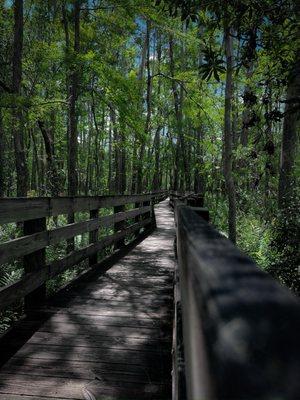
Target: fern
8, 275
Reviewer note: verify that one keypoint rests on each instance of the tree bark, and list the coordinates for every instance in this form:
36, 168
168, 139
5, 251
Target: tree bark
110, 157
290, 139
156, 181
52, 182
17, 123
135, 161
119, 156
73, 117
180, 144
2, 158
246, 113
229, 181
199, 179
148, 116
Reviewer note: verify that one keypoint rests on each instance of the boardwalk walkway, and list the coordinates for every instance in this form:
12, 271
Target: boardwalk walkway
109, 337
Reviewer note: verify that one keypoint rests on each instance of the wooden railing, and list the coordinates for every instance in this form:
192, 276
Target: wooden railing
188, 198
240, 327
32, 214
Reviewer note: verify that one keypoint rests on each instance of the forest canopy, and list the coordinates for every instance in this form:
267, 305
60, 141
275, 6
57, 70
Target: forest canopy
132, 96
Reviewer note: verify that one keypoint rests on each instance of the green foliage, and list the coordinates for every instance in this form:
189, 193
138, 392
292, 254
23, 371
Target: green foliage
213, 65
254, 239
284, 257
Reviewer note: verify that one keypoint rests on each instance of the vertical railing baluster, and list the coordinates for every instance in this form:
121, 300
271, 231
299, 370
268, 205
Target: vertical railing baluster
93, 237
119, 226
33, 262
153, 219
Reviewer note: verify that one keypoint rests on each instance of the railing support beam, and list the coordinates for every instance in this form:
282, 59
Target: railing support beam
33, 262
93, 238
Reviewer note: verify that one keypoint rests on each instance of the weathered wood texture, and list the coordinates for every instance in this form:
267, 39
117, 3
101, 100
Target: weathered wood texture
241, 328
21, 209
109, 335
31, 246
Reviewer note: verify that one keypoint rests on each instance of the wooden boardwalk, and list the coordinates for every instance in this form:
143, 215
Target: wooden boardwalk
109, 336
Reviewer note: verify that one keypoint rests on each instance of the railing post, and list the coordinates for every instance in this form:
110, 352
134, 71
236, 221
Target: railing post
146, 204
119, 226
138, 217
195, 201
93, 238
153, 219
33, 262
202, 212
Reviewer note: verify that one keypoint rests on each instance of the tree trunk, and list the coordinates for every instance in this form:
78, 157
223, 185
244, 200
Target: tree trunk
246, 113
52, 181
110, 157
290, 140
180, 144
148, 116
199, 178
73, 117
135, 161
2, 158
119, 156
18, 128
230, 187
35, 167
156, 181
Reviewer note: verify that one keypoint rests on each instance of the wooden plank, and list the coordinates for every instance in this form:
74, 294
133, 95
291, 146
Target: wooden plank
133, 342
65, 205
74, 388
119, 311
157, 307
34, 262
105, 320
112, 301
85, 347
60, 354
113, 201
256, 320
136, 286
19, 247
105, 330
84, 369
22, 209
19, 289
82, 372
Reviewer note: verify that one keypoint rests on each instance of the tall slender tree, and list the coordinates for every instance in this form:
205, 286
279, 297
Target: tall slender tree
17, 116
230, 187
73, 114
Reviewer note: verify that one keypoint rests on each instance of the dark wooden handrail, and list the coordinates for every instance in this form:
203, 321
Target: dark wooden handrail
31, 247
240, 327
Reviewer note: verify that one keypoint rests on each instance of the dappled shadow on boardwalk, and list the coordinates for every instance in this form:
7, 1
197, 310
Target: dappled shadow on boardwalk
109, 335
